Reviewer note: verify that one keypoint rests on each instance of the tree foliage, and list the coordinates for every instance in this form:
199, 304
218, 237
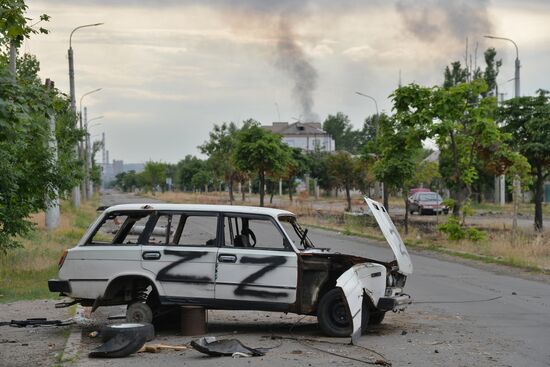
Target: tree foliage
260, 151
461, 123
346, 172
527, 120
32, 176
220, 148
341, 130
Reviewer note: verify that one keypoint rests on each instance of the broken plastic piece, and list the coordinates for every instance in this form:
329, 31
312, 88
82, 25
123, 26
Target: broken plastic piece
120, 345
226, 347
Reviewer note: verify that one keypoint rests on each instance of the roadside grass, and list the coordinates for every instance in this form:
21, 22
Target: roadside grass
24, 272
529, 251
525, 209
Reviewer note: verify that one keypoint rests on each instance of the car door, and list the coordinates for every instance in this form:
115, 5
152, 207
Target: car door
180, 254
110, 250
255, 263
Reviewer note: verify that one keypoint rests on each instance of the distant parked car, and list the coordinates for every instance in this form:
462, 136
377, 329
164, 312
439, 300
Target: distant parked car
427, 203
418, 189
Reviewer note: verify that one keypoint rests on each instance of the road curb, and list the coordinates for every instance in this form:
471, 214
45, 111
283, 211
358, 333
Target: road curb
72, 346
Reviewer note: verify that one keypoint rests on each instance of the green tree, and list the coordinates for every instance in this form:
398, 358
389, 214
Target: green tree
399, 146
297, 168
219, 149
461, 123
15, 27
186, 169
456, 74
201, 180
153, 176
318, 168
527, 120
260, 151
33, 176
339, 127
345, 169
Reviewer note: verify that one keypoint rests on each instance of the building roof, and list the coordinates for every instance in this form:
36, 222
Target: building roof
297, 128
200, 207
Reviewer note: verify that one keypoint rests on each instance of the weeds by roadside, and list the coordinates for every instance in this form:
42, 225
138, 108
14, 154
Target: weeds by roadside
24, 271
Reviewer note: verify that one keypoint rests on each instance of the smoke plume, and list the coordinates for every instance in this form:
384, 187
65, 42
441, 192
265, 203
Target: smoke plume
293, 62
458, 19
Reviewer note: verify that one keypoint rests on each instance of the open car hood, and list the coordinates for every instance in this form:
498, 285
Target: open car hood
392, 236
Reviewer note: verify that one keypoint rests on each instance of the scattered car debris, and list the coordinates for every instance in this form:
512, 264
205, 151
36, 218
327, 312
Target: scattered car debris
38, 321
121, 340
109, 331
119, 346
156, 348
225, 347
93, 334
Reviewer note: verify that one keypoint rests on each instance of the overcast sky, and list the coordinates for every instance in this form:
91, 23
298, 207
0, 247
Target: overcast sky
171, 69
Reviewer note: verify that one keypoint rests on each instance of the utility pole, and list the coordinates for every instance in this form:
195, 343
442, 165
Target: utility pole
88, 154
85, 151
103, 160
516, 182
76, 189
52, 211
13, 60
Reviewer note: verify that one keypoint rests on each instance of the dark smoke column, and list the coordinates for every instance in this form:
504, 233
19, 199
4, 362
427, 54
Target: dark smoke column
292, 61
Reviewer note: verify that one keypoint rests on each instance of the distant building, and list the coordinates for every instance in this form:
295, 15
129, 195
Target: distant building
307, 136
110, 170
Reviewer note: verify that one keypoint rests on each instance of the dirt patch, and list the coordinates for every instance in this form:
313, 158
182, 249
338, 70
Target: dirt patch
31, 346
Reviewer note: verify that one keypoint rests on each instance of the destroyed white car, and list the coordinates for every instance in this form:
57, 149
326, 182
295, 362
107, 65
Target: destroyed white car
150, 256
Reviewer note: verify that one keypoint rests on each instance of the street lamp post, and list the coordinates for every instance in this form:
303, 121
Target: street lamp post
372, 98
384, 187
516, 183
517, 64
88, 148
76, 189
83, 149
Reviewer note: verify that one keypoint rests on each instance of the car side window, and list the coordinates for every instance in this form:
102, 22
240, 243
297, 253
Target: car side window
185, 229
120, 229
163, 231
253, 232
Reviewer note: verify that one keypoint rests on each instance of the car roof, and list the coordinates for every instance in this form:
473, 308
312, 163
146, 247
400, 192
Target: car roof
200, 208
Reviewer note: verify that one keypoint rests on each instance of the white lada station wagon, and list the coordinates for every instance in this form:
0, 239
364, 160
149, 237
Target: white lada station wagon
152, 256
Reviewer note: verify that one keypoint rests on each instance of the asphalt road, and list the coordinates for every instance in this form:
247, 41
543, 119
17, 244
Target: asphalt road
465, 314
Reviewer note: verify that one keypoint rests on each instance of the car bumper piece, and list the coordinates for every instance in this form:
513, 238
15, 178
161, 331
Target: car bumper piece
390, 303
62, 286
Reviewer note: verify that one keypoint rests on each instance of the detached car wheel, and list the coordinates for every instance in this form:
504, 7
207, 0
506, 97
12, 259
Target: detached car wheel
128, 329
332, 314
139, 312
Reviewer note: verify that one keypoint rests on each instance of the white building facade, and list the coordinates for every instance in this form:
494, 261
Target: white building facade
307, 136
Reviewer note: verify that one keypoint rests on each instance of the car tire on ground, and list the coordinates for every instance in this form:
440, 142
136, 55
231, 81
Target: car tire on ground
376, 318
139, 312
332, 314
127, 329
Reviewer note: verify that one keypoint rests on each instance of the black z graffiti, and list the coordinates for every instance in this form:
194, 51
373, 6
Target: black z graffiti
165, 276
272, 263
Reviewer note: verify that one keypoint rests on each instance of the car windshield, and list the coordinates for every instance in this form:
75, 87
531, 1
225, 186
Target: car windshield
295, 232
430, 196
